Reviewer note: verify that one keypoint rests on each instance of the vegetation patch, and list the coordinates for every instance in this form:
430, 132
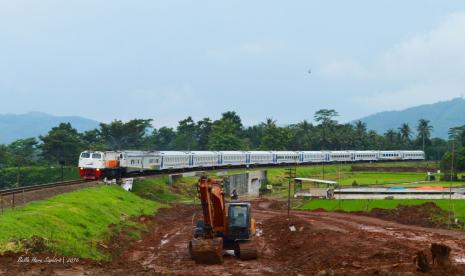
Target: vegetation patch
73, 224
159, 189
34, 175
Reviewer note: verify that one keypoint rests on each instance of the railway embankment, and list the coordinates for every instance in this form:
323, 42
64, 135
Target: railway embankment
73, 224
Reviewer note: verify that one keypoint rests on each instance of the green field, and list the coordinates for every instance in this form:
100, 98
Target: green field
354, 205
74, 223
342, 174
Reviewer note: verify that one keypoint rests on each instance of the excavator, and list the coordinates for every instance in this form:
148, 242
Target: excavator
225, 226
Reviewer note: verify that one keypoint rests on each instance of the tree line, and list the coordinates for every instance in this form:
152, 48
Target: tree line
63, 143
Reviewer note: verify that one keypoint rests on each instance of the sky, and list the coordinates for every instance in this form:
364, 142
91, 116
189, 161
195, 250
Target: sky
167, 60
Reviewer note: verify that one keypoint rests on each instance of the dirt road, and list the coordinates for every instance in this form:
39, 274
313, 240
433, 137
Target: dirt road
323, 242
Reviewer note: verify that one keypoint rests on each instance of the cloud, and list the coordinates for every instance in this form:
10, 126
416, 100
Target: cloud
427, 67
251, 48
436, 54
343, 69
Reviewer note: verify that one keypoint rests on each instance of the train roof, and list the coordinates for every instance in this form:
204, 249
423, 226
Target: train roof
173, 153
232, 152
203, 152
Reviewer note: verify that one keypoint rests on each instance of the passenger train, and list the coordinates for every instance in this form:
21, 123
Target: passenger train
115, 164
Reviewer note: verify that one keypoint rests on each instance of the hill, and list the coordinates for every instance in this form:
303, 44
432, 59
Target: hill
442, 116
33, 124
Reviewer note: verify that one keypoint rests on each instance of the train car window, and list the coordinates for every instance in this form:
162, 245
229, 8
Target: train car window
85, 155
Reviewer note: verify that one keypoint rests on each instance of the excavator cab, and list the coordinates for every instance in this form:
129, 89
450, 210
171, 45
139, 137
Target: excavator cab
239, 221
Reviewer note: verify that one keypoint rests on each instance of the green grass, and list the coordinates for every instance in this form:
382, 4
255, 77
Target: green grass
159, 189
354, 205
75, 222
377, 178
431, 164
33, 175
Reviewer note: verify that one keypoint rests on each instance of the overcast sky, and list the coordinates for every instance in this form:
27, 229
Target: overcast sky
169, 59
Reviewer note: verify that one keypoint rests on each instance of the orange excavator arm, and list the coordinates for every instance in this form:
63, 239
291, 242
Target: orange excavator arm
211, 196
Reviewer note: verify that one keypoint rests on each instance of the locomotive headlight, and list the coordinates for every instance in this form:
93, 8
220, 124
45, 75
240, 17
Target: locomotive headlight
98, 170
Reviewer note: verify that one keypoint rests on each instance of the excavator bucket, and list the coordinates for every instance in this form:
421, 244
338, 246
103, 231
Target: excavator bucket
206, 251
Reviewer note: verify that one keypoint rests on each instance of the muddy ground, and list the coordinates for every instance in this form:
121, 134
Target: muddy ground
331, 243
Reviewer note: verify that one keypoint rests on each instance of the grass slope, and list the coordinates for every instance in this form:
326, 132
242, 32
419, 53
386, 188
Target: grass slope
75, 222
159, 189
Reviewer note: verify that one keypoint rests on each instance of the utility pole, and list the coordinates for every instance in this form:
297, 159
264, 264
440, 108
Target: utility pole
291, 173
450, 183
62, 163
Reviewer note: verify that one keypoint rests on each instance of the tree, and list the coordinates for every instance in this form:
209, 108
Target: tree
457, 134
343, 137
118, 135
424, 131
186, 135
202, 131
253, 136
391, 136
163, 138
222, 138
325, 118
274, 138
226, 133
459, 161
234, 119
92, 141
62, 143
5, 156
360, 135
405, 133
23, 151
303, 135
374, 140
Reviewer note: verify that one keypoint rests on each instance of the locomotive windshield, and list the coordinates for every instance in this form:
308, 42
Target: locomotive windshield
85, 155
96, 156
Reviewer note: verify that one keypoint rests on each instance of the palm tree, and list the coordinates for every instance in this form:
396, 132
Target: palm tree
325, 119
457, 133
304, 134
405, 132
360, 129
424, 131
391, 137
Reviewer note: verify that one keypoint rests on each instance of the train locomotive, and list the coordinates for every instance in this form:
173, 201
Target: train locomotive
117, 164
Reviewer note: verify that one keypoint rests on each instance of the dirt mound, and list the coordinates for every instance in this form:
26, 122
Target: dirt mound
308, 249
278, 205
427, 215
267, 204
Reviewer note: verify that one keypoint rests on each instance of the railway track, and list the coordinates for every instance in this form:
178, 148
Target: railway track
17, 190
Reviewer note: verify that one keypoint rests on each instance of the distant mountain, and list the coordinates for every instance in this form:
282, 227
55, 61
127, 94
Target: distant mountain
33, 124
442, 116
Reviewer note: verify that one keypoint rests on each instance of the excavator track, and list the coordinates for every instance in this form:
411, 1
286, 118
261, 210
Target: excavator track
246, 251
